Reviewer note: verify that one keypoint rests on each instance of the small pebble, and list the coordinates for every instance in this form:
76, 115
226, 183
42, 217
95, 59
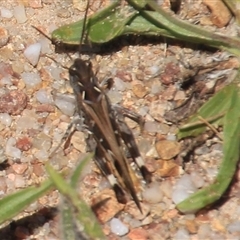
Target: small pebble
153, 194
19, 181
202, 150
13, 102
118, 228
24, 143
151, 127
31, 79
134, 223
32, 53
20, 14
167, 149
6, 80
5, 119
44, 97
11, 150
3, 36
153, 70
6, 13
35, 3
42, 155
78, 141
234, 227
119, 85
66, 104
19, 168
181, 234
166, 188
183, 188
42, 141
25, 122
139, 234
197, 179
171, 137
55, 73
140, 90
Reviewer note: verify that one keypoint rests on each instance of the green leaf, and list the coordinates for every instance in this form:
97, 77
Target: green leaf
71, 33
212, 111
231, 148
116, 20
14, 203
83, 215
77, 172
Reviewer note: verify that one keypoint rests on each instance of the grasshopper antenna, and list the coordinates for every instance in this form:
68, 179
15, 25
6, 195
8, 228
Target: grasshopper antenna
85, 25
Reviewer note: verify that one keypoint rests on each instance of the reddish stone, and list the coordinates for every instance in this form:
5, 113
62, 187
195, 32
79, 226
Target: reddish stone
138, 233
13, 102
24, 144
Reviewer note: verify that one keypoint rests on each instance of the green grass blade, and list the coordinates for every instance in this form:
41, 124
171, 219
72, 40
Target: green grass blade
212, 111
68, 228
14, 203
231, 148
77, 172
83, 214
116, 20
112, 26
185, 31
71, 33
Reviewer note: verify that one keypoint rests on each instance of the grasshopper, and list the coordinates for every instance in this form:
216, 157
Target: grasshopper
108, 129
109, 135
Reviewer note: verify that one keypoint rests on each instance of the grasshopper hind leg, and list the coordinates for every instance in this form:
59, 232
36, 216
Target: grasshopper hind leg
107, 172
127, 136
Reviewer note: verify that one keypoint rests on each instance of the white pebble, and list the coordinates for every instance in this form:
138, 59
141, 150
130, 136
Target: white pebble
155, 89
66, 104
183, 189
150, 127
42, 141
134, 223
44, 97
6, 13
119, 85
118, 228
181, 234
154, 69
41, 155
171, 137
55, 73
19, 14
32, 53
5, 119
26, 122
234, 227
6, 80
197, 179
31, 79
153, 194
143, 111
11, 150
45, 44
166, 187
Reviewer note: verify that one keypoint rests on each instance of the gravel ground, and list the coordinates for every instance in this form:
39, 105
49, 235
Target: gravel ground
151, 77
